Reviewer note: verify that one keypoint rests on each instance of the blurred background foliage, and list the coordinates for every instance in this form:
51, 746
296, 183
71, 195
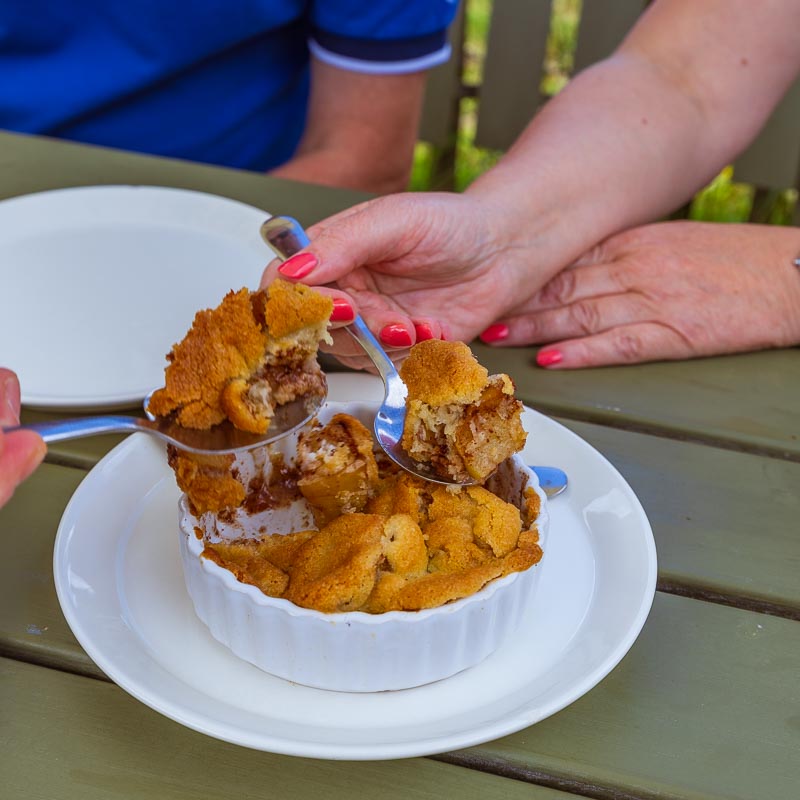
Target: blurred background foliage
723, 200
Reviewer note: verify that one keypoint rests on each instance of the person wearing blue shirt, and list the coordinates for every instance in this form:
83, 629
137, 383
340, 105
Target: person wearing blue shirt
325, 91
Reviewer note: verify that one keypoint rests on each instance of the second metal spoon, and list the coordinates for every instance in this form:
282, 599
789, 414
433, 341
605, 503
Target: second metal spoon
219, 440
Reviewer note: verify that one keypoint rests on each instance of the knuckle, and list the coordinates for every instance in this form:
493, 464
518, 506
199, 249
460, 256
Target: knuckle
629, 346
560, 289
585, 317
531, 328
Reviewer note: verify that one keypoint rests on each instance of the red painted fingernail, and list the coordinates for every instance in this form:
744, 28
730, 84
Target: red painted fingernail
395, 336
298, 266
423, 330
342, 310
495, 333
546, 358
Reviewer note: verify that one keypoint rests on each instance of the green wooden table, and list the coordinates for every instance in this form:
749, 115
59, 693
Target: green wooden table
705, 705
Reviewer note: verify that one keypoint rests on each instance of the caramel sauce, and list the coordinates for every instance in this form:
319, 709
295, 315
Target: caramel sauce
278, 491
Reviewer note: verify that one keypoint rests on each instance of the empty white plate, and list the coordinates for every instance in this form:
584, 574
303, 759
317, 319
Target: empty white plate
99, 282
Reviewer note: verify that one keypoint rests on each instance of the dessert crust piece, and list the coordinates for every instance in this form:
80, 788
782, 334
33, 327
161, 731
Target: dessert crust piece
338, 471
437, 373
460, 421
261, 562
336, 569
240, 361
207, 480
255, 351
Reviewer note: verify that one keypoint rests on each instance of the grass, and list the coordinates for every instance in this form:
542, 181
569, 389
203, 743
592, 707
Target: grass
723, 200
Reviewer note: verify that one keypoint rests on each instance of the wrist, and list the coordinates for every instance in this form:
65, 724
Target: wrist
534, 216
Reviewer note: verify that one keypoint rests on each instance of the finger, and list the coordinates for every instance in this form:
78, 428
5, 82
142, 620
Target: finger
626, 344
270, 273
271, 270
574, 284
318, 228
9, 397
583, 318
393, 337
20, 453
345, 306
427, 328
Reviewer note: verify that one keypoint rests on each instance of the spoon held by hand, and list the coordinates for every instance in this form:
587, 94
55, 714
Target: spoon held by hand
221, 439
286, 237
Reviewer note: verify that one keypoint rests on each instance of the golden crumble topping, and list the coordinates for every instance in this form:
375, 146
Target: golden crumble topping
240, 361
388, 541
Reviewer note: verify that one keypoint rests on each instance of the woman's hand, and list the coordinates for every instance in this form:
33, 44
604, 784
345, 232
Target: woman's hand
21, 451
672, 290
415, 266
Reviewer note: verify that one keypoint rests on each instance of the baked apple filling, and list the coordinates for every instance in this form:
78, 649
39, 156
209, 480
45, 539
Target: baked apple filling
338, 470
460, 420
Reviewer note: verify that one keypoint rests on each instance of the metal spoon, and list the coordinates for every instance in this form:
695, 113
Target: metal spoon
219, 440
552, 480
286, 237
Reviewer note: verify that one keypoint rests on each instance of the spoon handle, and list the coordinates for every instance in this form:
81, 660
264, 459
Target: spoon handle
60, 430
363, 335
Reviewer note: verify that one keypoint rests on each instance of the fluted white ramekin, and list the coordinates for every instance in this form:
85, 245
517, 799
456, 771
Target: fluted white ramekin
355, 651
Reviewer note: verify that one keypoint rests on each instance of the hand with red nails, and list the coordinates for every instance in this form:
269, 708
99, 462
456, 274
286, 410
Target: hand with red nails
21, 451
415, 266
673, 290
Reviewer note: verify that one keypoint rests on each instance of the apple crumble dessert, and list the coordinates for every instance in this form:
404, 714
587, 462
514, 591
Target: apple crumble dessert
387, 540
460, 420
240, 361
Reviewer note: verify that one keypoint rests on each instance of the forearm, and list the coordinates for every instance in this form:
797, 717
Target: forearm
343, 167
617, 148
635, 136
360, 131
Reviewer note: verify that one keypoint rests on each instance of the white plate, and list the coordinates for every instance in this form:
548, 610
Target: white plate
119, 580
98, 282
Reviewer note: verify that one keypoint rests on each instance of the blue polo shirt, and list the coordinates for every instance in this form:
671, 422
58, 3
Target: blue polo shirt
219, 81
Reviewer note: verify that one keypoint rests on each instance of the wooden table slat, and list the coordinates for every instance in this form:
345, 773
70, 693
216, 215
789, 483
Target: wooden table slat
725, 523
668, 710
705, 705
747, 402
117, 747
36, 164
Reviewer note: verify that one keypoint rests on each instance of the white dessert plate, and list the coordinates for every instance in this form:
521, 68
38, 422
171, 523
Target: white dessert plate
99, 281
120, 584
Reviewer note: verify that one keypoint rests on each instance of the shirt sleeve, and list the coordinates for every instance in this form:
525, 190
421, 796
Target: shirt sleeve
382, 37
